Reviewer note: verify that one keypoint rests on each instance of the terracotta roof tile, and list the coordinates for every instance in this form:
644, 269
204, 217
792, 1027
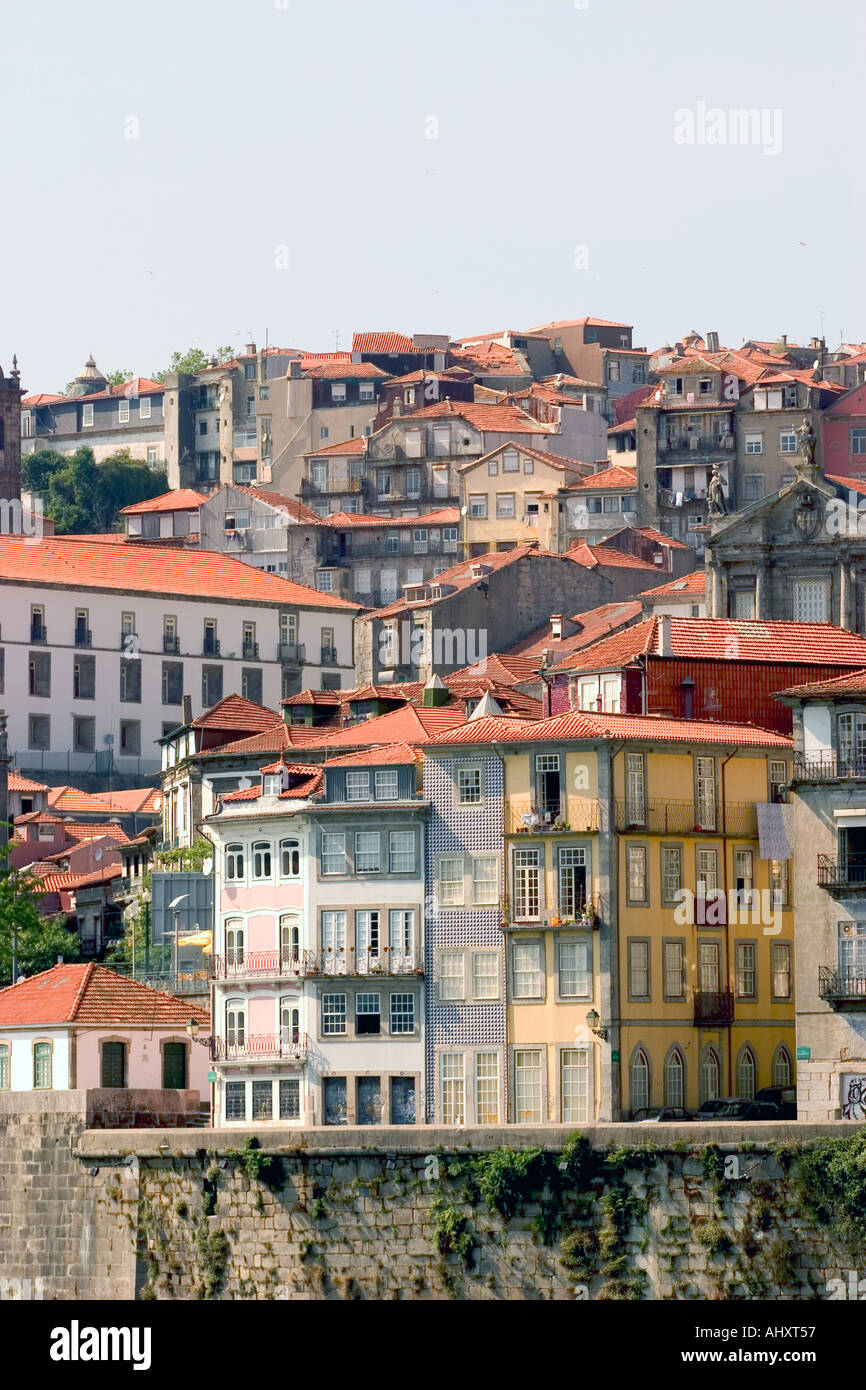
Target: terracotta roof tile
592, 555
557, 461
446, 516
181, 499
499, 419
346, 446
91, 994
344, 371
727, 639
236, 712
392, 753
382, 343
614, 477
853, 684
17, 783
694, 584
577, 724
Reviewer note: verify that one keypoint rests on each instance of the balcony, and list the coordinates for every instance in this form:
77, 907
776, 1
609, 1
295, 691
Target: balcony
843, 875
575, 813
250, 651
262, 964
293, 652
210, 646
713, 1008
260, 1047
170, 645
693, 445
843, 991
329, 656
83, 637
334, 487
687, 818
386, 962
829, 767
38, 632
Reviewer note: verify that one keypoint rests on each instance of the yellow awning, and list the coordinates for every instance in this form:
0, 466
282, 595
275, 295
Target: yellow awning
198, 938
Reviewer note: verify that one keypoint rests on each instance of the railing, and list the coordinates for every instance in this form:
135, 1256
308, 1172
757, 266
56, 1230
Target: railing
170, 645
129, 641
694, 444
829, 766
686, 817
210, 646
38, 634
292, 651
575, 814
83, 637
841, 988
251, 651
329, 656
386, 962
714, 1008
239, 965
168, 981
260, 1047
333, 486
847, 872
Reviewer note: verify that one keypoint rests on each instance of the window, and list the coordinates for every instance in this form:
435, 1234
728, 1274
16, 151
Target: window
357, 785
782, 1069
86, 416
333, 1014
575, 969
527, 961
334, 931
84, 678
780, 969
413, 489
39, 671
335, 1100
639, 1081
5, 1067
368, 933
492, 468
261, 859
528, 465
510, 461
638, 970
290, 1100
236, 1025
753, 487
505, 504
367, 1013
787, 442
675, 1078
172, 682
211, 685
779, 776
485, 879
450, 882
263, 1100
290, 859
402, 1017
130, 737
401, 930
338, 391
636, 872
453, 1086
674, 956
451, 982
711, 1075
83, 735
574, 1085
485, 975
613, 371
811, 601
672, 873
365, 391
234, 862
387, 784
705, 385
334, 853
468, 786
754, 443
401, 852
747, 1071
572, 880
527, 1086
858, 441
478, 505
236, 1100
42, 1066
130, 682
526, 866
635, 789
706, 864
251, 684
113, 1065
487, 1088
367, 852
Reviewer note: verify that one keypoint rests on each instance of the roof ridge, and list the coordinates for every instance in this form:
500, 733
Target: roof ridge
79, 997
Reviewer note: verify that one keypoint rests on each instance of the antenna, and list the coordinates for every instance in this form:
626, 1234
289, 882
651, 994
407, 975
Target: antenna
336, 340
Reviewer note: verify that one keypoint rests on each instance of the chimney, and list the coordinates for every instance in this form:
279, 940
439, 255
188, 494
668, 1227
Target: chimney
665, 647
712, 342
187, 710
250, 349
783, 339
681, 352
295, 368
556, 626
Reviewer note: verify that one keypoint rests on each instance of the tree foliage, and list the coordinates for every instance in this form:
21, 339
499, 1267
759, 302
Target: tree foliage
83, 497
193, 360
41, 939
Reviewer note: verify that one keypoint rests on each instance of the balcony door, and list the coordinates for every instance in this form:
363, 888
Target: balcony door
851, 733
708, 967
852, 954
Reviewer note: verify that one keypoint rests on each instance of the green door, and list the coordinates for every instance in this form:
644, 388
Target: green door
114, 1064
174, 1067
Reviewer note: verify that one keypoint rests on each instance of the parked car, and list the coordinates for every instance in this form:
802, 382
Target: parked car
783, 1096
710, 1108
749, 1110
667, 1115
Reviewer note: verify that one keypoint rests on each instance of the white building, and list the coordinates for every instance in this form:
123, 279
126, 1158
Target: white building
100, 641
318, 944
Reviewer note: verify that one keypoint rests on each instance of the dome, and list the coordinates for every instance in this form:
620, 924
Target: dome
88, 381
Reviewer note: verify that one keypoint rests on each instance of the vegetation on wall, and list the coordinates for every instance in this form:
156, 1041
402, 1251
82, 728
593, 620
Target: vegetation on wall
83, 497
40, 939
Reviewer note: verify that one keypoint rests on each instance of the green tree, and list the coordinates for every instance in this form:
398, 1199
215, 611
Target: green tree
37, 468
83, 497
41, 938
193, 360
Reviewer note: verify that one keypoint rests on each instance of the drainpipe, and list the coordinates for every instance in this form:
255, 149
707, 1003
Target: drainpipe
497, 749
725, 762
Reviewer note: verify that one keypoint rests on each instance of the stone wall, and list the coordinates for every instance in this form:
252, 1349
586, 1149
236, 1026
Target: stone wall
326, 1214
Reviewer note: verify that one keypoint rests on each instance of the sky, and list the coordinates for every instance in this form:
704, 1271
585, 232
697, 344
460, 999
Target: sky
211, 172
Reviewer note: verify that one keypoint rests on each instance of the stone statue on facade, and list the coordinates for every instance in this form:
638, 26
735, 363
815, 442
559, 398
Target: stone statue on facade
716, 493
808, 442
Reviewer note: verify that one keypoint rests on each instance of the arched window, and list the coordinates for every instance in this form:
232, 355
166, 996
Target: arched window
675, 1078
234, 862
639, 1074
711, 1074
261, 859
782, 1070
234, 942
290, 938
236, 1025
290, 859
747, 1073
290, 1022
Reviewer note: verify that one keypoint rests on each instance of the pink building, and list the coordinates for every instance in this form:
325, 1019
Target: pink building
83, 1027
843, 431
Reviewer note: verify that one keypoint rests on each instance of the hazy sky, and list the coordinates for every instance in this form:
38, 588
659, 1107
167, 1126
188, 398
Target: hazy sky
274, 131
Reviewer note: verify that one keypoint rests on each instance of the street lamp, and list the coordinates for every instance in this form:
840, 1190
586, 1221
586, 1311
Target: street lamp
192, 1033
173, 905
592, 1021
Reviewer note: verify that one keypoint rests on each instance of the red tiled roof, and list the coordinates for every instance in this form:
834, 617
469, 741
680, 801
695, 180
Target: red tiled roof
853, 484
17, 783
382, 343
616, 477
180, 499
593, 555
311, 359
236, 712
563, 379
617, 649
94, 832
804, 376
42, 398
147, 569
346, 446
490, 359
576, 323
460, 576
285, 504
316, 697
694, 584
498, 419
578, 724
67, 883
728, 639
446, 516
557, 461
399, 753
413, 724
343, 371
853, 684
652, 535
66, 800
91, 994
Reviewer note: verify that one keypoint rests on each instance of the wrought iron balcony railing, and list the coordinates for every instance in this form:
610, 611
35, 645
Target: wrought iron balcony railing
829, 767
573, 813
292, 652
238, 965
286, 1046
714, 1008
843, 989
385, 962
685, 817
845, 873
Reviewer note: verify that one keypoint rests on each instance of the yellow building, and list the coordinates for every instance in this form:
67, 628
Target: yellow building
508, 497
